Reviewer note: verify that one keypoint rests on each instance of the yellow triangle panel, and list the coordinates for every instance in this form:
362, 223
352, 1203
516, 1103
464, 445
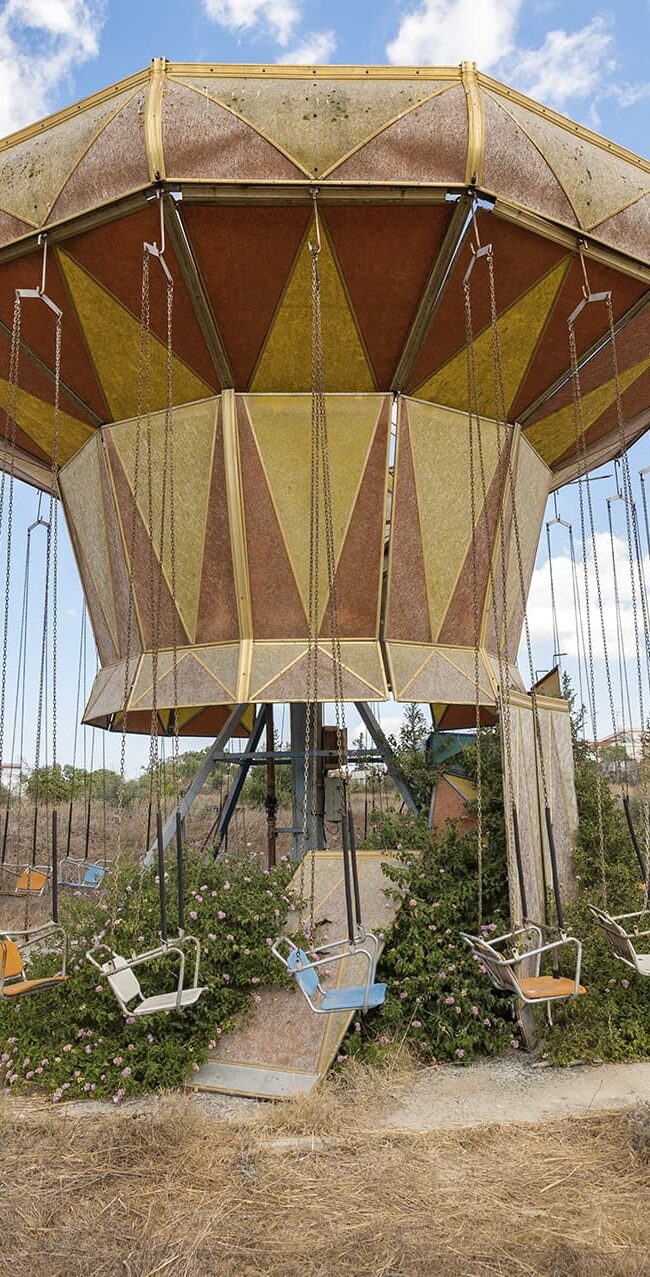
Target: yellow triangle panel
551, 436
281, 426
597, 182
285, 363
317, 122
192, 443
36, 418
520, 328
113, 338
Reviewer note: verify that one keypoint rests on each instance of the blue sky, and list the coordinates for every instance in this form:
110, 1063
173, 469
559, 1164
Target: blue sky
587, 60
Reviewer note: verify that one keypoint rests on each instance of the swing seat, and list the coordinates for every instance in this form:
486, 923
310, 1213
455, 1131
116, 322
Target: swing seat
93, 876
79, 873
362, 997
32, 882
12, 969
620, 940
126, 986
503, 974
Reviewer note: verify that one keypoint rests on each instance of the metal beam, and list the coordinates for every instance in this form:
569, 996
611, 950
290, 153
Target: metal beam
432, 292
244, 761
392, 766
196, 784
185, 256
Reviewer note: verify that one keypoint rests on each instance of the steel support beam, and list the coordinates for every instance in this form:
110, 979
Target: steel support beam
196, 784
244, 761
315, 831
181, 243
392, 766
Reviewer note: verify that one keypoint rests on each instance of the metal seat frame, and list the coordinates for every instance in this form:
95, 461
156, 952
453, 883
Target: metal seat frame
620, 939
502, 971
33, 936
348, 951
112, 968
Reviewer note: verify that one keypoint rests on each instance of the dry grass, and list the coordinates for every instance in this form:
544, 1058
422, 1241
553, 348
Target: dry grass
178, 1193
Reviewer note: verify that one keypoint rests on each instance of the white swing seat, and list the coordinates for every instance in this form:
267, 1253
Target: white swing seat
80, 873
119, 973
620, 939
362, 997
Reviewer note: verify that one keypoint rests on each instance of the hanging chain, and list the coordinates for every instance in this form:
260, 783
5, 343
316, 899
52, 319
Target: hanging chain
170, 464
54, 520
10, 415
582, 465
473, 421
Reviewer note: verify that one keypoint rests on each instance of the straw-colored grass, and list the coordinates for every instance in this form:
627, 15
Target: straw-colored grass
175, 1192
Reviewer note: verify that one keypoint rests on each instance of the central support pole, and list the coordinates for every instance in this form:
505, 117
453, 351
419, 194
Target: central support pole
315, 829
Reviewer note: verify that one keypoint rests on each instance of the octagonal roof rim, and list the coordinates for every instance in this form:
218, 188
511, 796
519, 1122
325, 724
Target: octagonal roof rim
465, 72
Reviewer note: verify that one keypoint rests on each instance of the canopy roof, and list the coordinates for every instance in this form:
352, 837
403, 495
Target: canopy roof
393, 152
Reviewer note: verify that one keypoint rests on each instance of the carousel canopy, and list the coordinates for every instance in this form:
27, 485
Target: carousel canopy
397, 155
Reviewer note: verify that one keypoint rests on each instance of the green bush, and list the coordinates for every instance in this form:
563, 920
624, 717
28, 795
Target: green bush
612, 1022
75, 1041
438, 996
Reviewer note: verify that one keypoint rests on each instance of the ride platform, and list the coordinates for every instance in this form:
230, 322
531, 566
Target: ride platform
285, 1048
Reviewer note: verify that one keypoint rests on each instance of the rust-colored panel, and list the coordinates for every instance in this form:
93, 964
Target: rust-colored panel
119, 571
277, 610
144, 564
203, 140
38, 327
449, 804
358, 575
217, 615
245, 255
459, 626
32, 380
513, 167
520, 260
385, 254
456, 717
429, 144
11, 227
552, 355
115, 164
407, 616
629, 230
112, 255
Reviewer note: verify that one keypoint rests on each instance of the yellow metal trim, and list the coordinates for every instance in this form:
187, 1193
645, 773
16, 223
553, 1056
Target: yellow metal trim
235, 500
475, 123
563, 121
278, 71
60, 117
153, 139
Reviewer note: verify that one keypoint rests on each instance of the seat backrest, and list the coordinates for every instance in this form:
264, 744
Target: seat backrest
619, 943
93, 876
11, 963
307, 979
123, 981
501, 975
31, 880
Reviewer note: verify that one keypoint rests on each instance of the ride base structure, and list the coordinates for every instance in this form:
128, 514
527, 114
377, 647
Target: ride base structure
390, 256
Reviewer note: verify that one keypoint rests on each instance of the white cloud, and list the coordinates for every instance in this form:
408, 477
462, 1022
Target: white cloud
279, 17
569, 65
444, 32
571, 645
314, 48
41, 42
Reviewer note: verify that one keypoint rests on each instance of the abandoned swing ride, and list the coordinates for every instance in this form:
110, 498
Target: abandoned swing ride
301, 353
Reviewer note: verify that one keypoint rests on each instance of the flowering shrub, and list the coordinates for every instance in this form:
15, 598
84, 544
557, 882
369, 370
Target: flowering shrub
75, 1041
438, 997
613, 1021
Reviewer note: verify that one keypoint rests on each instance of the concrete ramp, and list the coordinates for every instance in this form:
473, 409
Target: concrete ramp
284, 1048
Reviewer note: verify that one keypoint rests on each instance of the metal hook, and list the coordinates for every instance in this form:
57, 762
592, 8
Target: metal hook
315, 248
40, 292
153, 249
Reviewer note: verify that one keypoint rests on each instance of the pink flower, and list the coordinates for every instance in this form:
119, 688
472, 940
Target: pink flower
255, 979
257, 998
450, 1000
221, 915
118, 1059
193, 915
625, 984
413, 903
225, 976
514, 1042
460, 1053
474, 1011
126, 1072
196, 1067
230, 937
416, 1024
487, 1023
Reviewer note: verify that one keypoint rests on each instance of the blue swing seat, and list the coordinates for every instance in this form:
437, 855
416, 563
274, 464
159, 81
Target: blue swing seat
93, 876
348, 998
